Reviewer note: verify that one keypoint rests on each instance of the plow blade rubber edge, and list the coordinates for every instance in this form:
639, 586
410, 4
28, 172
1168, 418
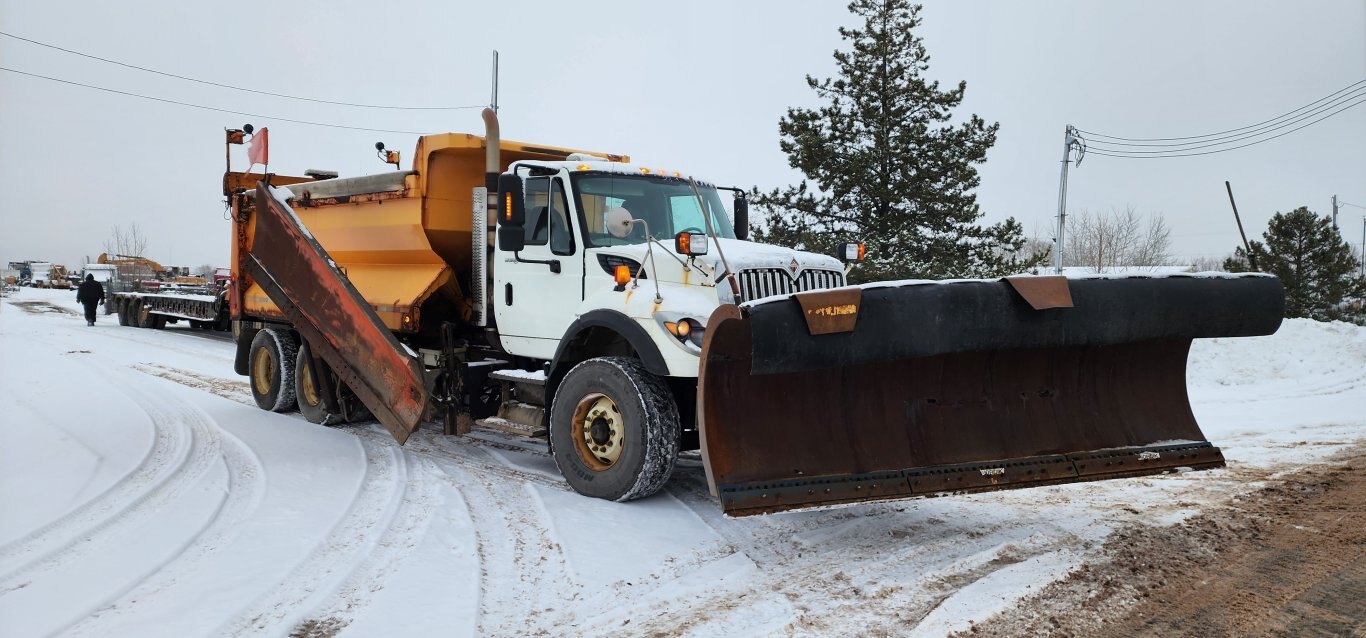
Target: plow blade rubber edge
921, 389
339, 324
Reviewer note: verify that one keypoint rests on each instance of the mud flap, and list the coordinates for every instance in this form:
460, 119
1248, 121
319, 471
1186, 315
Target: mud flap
922, 389
341, 328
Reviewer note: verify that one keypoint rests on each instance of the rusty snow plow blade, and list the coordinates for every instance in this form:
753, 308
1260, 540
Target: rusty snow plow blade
913, 390
296, 273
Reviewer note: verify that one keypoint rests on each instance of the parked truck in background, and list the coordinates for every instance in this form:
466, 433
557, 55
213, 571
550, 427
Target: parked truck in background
40, 273
616, 309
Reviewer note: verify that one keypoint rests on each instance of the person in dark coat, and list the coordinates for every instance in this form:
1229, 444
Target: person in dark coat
90, 294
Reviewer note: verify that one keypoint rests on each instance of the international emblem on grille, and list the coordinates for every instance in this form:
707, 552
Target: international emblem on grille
792, 267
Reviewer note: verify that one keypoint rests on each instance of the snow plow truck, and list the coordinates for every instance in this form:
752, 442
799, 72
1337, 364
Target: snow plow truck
617, 310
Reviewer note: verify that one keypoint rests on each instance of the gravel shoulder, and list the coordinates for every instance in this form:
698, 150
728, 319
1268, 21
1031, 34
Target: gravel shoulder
1287, 559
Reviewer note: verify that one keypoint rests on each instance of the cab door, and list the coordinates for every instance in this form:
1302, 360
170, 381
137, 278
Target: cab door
537, 291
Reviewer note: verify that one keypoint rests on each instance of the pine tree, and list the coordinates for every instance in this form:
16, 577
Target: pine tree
884, 165
1311, 259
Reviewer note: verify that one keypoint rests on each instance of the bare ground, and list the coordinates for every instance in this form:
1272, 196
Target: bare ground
1288, 559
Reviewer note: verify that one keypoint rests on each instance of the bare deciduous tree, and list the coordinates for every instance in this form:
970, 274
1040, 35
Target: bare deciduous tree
123, 247
1102, 242
127, 243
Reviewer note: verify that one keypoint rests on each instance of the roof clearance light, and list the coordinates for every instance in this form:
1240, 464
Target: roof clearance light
677, 174
583, 167
645, 170
660, 171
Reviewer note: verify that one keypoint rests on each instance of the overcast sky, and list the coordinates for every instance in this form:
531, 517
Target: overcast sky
697, 86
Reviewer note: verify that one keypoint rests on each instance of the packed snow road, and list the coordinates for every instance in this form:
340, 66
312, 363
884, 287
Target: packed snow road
145, 495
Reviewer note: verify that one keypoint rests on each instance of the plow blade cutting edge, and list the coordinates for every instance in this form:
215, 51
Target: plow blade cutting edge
929, 388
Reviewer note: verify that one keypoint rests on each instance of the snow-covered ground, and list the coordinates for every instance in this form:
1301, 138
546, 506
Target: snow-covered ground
143, 494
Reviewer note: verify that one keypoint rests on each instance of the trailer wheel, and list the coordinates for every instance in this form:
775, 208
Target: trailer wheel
309, 392
273, 352
122, 309
144, 315
614, 429
158, 322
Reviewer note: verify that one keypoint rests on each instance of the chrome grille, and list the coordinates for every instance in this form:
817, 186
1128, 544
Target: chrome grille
757, 283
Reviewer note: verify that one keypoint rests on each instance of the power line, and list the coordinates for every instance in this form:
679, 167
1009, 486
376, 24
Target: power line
1196, 137
240, 88
207, 108
1229, 139
1116, 152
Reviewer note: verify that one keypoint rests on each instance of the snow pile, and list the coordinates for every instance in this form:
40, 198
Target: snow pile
1302, 349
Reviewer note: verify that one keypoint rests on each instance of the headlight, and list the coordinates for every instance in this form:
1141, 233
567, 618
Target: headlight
687, 331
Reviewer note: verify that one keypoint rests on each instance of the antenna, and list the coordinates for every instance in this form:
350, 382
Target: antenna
493, 101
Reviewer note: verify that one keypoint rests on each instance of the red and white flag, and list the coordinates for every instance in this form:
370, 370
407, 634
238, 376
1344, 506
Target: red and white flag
258, 150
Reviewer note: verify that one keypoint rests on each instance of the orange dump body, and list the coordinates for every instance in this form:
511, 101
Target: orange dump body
402, 239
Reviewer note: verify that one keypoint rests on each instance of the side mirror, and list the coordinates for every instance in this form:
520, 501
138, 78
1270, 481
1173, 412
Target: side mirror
511, 238
618, 221
741, 216
511, 203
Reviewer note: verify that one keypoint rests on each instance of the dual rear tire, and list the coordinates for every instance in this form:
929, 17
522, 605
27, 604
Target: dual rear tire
282, 377
270, 364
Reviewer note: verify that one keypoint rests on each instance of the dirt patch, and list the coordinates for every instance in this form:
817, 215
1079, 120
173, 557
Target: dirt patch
319, 628
1287, 559
226, 388
42, 308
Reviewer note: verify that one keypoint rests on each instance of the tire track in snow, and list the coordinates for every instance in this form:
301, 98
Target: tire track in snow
522, 570
842, 556
418, 502
185, 446
369, 521
245, 488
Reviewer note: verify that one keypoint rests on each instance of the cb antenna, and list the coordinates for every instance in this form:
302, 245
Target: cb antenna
493, 100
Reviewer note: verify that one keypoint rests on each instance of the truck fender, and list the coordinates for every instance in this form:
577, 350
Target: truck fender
589, 337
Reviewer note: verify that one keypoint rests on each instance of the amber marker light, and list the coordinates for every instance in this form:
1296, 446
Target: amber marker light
862, 249
622, 275
507, 207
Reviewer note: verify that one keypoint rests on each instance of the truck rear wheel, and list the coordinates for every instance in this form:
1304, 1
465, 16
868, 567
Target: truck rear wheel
309, 392
614, 429
271, 364
123, 311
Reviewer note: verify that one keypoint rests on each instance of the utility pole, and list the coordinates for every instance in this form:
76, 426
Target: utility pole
1335, 212
1251, 257
1363, 246
1071, 140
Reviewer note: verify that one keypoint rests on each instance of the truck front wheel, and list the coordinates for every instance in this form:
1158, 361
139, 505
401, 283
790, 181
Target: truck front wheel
271, 369
614, 429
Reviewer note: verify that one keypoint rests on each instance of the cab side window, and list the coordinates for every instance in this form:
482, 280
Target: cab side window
547, 215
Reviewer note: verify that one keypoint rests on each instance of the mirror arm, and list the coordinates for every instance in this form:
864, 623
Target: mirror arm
553, 263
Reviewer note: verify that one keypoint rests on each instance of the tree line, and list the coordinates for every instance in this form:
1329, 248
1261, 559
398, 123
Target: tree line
886, 161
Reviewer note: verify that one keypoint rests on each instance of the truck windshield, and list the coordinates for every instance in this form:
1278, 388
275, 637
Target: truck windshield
667, 204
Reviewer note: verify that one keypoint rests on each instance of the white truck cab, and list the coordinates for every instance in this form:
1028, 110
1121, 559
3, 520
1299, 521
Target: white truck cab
566, 261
